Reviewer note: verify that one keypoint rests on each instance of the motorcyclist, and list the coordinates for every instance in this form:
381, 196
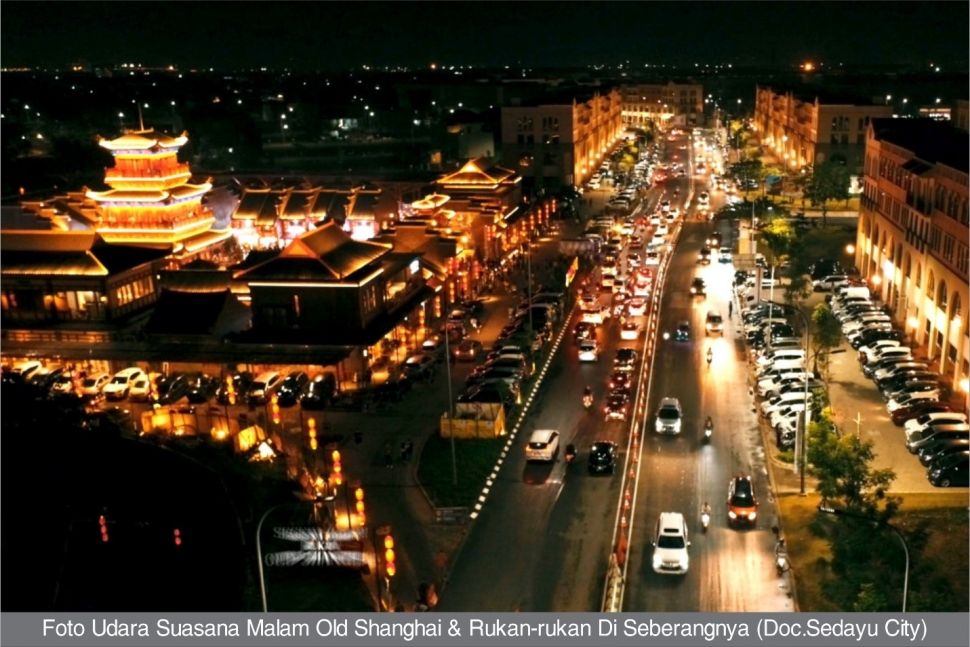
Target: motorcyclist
709, 423
587, 397
710, 356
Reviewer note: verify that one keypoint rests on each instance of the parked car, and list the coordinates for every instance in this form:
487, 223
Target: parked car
292, 388
92, 385
201, 387
264, 386
319, 392
118, 387
172, 388
240, 382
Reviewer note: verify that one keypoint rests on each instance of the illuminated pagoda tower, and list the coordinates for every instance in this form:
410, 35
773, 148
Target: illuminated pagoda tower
151, 201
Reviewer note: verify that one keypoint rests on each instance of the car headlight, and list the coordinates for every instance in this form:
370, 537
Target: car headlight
658, 425
677, 425
753, 516
657, 561
732, 514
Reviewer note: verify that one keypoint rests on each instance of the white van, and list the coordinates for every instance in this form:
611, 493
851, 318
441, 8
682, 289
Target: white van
264, 386
849, 291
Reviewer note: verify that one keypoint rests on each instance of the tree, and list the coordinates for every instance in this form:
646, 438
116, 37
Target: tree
779, 235
829, 181
827, 333
846, 479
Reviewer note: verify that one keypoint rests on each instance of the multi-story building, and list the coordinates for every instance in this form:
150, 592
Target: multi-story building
805, 132
679, 104
555, 144
913, 230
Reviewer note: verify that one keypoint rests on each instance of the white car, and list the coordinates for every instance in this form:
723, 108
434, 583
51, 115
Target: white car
655, 219
630, 331
912, 398
120, 384
598, 315
91, 385
938, 418
778, 403
878, 344
724, 255
670, 417
141, 390
662, 230
885, 352
636, 307
543, 446
588, 351
670, 545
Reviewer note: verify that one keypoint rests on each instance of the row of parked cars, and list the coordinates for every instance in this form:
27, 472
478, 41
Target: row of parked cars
134, 384
938, 435
782, 380
499, 378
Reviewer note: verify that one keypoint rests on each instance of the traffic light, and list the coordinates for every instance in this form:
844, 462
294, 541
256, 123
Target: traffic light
177, 537
103, 525
390, 567
311, 431
337, 471
275, 409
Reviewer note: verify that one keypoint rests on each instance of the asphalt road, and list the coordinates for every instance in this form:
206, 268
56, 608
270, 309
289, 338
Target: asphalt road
730, 569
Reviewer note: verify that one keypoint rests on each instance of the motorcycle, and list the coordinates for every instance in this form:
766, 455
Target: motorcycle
705, 518
781, 557
708, 430
570, 454
587, 398
710, 357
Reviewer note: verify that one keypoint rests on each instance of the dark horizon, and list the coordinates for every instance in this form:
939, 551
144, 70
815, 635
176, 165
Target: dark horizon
329, 36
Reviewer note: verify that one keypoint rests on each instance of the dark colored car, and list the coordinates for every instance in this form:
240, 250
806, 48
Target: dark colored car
870, 336
742, 505
172, 388
240, 386
697, 287
201, 388
932, 453
683, 332
583, 331
292, 388
113, 420
950, 471
602, 457
620, 380
319, 392
467, 350
616, 405
625, 358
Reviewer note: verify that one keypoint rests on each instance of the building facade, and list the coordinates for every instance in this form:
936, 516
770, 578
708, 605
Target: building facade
803, 132
561, 144
676, 104
912, 238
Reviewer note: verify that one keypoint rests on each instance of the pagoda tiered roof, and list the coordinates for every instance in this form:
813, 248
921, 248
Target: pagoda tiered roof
143, 140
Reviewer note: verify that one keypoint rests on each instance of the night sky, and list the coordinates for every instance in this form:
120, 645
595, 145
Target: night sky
335, 35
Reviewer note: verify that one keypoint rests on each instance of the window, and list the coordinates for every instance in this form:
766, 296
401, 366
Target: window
530, 140
845, 139
520, 139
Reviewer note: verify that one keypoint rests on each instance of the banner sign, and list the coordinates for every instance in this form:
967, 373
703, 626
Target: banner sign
486, 629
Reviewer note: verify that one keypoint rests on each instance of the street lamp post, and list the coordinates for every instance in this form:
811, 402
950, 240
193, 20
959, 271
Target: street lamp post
899, 535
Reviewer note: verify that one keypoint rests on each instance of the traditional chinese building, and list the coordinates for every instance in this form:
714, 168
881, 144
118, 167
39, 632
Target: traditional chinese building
150, 201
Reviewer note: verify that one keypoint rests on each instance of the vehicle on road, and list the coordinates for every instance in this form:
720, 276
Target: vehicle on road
670, 545
697, 287
713, 323
602, 457
741, 503
543, 446
669, 417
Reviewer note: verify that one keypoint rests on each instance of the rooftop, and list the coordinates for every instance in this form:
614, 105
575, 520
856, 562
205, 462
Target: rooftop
931, 141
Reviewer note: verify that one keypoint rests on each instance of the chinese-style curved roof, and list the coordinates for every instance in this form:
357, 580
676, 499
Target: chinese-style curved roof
478, 172
431, 201
143, 140
326, 253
